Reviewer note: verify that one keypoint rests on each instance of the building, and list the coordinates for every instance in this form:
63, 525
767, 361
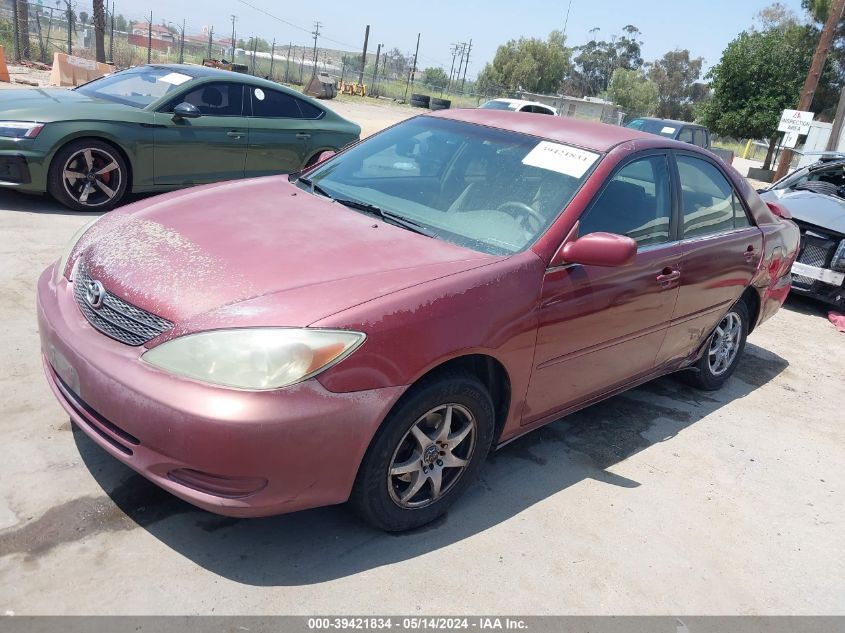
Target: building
590, 108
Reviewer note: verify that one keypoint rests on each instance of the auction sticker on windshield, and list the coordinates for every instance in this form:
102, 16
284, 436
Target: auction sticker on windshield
176, 79
563, 159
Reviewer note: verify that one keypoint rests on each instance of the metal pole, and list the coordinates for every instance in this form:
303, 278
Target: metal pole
254, 50
182, 45
375, 70
287, 66
150, 38
812, 81
364, 55
234, 17
210, 41
413, 70
111, 37
316, 34
301, 64
17, 30
466, 65
69, 28
272, 57
40, 38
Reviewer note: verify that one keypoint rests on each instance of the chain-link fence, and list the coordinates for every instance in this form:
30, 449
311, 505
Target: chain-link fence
34, 32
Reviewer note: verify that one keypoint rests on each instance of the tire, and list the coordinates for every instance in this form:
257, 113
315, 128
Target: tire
87, 157
421, 98
818, 186
418, 104
709, 372
440, 104
387, 500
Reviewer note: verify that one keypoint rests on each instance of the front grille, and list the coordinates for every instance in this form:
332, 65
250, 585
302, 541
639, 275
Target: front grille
115, 317
816, 251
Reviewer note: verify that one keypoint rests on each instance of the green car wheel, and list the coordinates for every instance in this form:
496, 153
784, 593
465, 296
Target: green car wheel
88, 175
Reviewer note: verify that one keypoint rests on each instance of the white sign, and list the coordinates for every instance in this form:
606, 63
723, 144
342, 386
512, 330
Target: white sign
563, 159
795, 121
790, 139
177, 79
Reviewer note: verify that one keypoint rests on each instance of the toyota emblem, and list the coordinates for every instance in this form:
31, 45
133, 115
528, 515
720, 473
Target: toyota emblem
94, 294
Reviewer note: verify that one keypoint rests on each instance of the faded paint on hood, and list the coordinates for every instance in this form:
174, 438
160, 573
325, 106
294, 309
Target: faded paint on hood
206, 256
818, 209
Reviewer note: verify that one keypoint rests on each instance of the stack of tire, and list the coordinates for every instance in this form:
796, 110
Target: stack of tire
432, 103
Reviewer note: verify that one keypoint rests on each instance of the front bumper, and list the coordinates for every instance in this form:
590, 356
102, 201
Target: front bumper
21, 167
237, 453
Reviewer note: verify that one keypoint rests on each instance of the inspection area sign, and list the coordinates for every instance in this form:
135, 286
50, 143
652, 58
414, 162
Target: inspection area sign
796, 121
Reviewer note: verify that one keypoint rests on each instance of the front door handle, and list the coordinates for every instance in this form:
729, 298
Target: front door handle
667, 276
749, 253
236, 134
303, 135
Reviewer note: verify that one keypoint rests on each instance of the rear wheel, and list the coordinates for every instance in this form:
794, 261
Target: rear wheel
88, 175
428, 451
723, 349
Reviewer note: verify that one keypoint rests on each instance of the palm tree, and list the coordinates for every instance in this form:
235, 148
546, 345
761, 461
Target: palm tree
100, 30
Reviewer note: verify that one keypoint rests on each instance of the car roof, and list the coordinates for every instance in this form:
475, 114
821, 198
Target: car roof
599, 137
523, 102
669, 121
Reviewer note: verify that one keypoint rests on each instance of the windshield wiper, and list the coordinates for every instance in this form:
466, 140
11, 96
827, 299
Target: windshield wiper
387, 216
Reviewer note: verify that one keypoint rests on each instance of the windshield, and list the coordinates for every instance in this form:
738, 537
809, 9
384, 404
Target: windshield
490, 190
137, 87
498, 105
662, 128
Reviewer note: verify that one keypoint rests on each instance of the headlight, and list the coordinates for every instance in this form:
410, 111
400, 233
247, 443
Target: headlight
254, 358
838, 261
70, 246
20, 129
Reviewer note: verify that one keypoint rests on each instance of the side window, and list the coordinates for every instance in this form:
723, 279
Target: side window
686, 135
636, 202
699, 137
217, 99
709, 203
272, 104
309, 111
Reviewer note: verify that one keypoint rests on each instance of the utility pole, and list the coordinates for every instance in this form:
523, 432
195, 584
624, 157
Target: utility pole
836, 130
812, 81
452, 69
111, 36
182, 44
414, 69
149, 37
364, 55
375, 70
234, 17
466, 65
316, 34
210, 40
272, 57
463, 46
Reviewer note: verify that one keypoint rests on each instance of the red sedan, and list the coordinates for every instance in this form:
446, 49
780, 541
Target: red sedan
369, 330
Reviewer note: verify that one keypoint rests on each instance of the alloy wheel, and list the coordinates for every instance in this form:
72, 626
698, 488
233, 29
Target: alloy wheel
724, 344
432, 456
92, 177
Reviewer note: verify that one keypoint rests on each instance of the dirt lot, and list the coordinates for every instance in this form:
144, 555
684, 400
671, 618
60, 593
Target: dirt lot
662, 500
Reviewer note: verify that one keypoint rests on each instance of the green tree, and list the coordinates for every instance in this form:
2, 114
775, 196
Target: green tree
759, 75
633, 92
120, 23
435, 78
527, 64
596, 61
676, 76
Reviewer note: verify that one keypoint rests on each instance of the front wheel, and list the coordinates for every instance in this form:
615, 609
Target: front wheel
723, 349
428, 451
88, 175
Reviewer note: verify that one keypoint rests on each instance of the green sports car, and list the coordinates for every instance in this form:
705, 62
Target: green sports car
155, 128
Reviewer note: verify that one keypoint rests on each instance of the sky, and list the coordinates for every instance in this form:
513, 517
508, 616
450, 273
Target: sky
705, 27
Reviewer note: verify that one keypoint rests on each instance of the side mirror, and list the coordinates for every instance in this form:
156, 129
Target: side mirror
598, 249
186, 110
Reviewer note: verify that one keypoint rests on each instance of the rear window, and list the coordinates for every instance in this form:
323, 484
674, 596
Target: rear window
661, 128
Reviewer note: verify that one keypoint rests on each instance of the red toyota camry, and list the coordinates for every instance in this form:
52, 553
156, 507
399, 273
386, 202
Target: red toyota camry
369, 330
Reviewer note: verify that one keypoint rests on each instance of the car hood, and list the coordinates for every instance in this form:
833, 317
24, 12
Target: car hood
257, 252
813, 208
58, 104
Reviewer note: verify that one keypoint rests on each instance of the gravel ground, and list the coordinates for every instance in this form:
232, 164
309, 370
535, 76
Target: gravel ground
662, 500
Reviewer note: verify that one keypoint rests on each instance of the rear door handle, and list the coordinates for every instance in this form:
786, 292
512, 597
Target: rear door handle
667, 276
235, 134
303, 135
